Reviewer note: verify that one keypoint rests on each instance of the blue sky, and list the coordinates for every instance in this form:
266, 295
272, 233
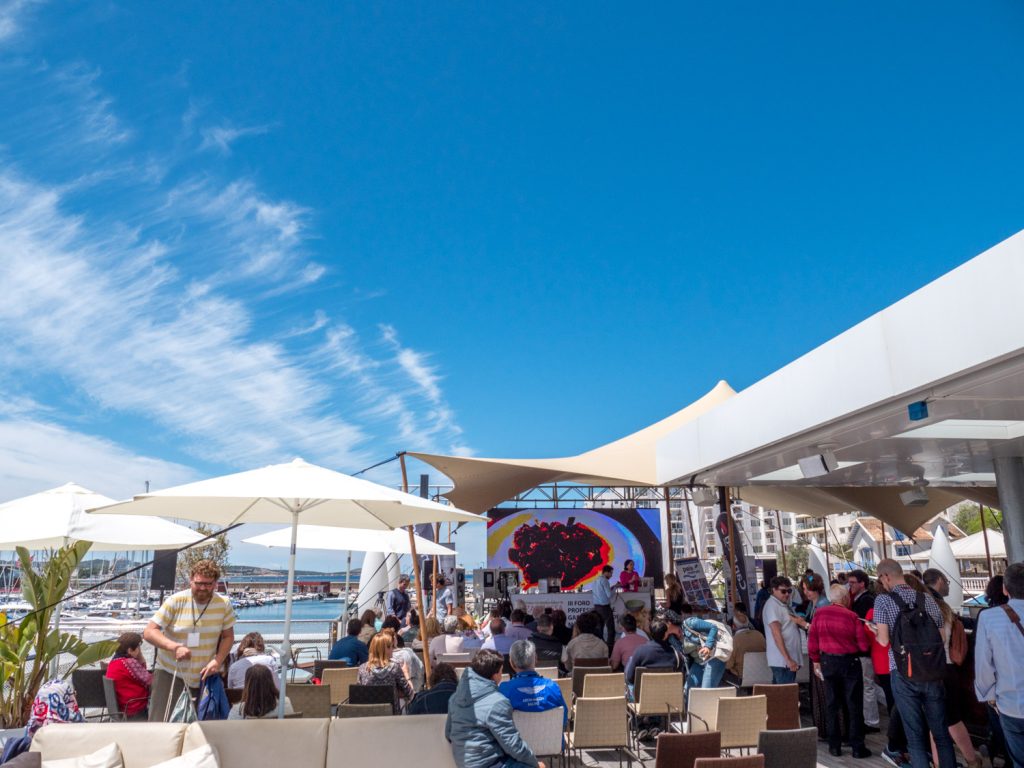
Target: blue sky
234, 233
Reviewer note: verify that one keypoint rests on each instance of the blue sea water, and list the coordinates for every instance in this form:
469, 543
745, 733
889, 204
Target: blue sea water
269, 619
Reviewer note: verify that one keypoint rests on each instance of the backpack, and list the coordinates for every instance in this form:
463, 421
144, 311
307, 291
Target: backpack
957, 642
917, 643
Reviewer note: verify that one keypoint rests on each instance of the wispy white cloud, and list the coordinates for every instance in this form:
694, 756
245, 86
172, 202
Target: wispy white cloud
93, 113
37, 455
221, 137
11, 13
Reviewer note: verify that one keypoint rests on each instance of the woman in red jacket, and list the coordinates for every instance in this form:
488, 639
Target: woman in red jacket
131, 678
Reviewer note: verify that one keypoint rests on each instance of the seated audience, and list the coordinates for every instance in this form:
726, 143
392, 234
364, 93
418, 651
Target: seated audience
517, 629
585, 644
132, 680
528, 691
448, 642
745, 639
381, 669
656, 653
549, 650
350, 649
434, 701
498, 641
259, 696
480, 727
411, 633
406, 658
252, 650
627, 644
369, 626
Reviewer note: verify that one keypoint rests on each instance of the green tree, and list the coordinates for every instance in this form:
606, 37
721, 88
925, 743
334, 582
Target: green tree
28, 647
796, 560
968, 519
215, 549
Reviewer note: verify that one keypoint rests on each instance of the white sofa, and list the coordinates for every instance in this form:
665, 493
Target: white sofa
294, 743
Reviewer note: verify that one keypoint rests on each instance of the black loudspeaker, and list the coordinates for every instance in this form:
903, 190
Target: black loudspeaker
770, 569
165, 567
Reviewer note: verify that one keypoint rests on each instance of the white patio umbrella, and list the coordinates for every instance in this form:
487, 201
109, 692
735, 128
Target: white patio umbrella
942, 558
287, 493
816, 560
57, 517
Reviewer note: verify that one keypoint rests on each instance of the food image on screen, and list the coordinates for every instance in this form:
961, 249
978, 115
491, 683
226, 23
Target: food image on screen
570, 551
573, 543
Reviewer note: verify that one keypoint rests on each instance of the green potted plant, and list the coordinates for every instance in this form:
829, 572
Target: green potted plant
27, 647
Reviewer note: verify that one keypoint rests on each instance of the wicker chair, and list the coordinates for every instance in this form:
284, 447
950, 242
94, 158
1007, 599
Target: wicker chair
797, 748
783, 705
679, 750
365, 710
374, 694
319, 665
311, 700
543, 731
746, 761
578, 673
702, 712
591, 661
88, 685
551, 673
339, 680
755, 669
660, 696
602, 686
600, 724
565, 684
455, 658
741, 720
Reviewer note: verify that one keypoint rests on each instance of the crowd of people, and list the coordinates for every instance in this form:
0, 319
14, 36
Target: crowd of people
893, 642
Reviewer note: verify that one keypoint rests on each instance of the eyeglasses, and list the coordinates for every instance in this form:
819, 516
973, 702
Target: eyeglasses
208, 584
785, 590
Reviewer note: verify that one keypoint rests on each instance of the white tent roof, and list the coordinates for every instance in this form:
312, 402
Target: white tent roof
350, 539
971, 547
52, 518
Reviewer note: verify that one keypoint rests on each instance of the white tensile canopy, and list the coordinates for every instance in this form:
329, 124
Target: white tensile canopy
349, 539
56, 517
288, 493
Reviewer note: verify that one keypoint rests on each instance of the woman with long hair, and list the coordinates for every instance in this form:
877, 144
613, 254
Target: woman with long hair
259, 696
252, 650
369, 619
132, 681
381, 669
956, 700
673, 593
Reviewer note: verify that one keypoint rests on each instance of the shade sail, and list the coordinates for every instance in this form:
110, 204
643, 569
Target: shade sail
483, 483
349, 539
56, 517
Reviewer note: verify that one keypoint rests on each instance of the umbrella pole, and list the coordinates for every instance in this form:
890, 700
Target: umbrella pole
348, 588
423, 616
286, 646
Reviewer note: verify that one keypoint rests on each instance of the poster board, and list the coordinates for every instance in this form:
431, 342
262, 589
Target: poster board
696, 590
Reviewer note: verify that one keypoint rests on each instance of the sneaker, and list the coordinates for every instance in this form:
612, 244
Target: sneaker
862, 753
893, 758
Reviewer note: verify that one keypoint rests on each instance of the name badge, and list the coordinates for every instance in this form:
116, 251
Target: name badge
192, 641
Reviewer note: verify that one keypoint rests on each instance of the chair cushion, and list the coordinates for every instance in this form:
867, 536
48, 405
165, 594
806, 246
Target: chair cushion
358, 742
248, 743
142, 744
104, 757
201, 757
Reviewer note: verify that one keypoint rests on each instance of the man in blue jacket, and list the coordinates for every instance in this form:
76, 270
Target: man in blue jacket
528, 691
480, 726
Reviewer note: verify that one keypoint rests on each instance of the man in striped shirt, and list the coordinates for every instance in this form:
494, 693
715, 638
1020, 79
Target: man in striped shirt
193, 632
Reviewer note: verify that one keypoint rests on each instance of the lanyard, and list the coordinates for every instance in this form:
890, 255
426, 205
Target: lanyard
195, 621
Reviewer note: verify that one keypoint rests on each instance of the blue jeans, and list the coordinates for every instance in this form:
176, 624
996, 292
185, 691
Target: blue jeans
706, 675
922, 709
1013, 732
783, 675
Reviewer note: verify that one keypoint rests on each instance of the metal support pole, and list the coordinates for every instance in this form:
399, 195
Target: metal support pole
419, 584
668, 527
782, 540
884, 553
828, 563
689, 523
984, 535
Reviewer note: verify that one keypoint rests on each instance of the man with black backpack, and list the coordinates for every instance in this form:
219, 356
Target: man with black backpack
910, 624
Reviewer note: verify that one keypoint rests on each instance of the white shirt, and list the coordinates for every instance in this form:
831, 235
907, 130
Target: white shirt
775, 610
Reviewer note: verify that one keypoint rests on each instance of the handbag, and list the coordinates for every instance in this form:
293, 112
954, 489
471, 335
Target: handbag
184, 708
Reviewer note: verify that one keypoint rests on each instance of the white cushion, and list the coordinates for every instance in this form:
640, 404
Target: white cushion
142, 744
104, 757
202, 757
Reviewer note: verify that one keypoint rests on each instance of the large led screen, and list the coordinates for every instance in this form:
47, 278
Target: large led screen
573, 544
